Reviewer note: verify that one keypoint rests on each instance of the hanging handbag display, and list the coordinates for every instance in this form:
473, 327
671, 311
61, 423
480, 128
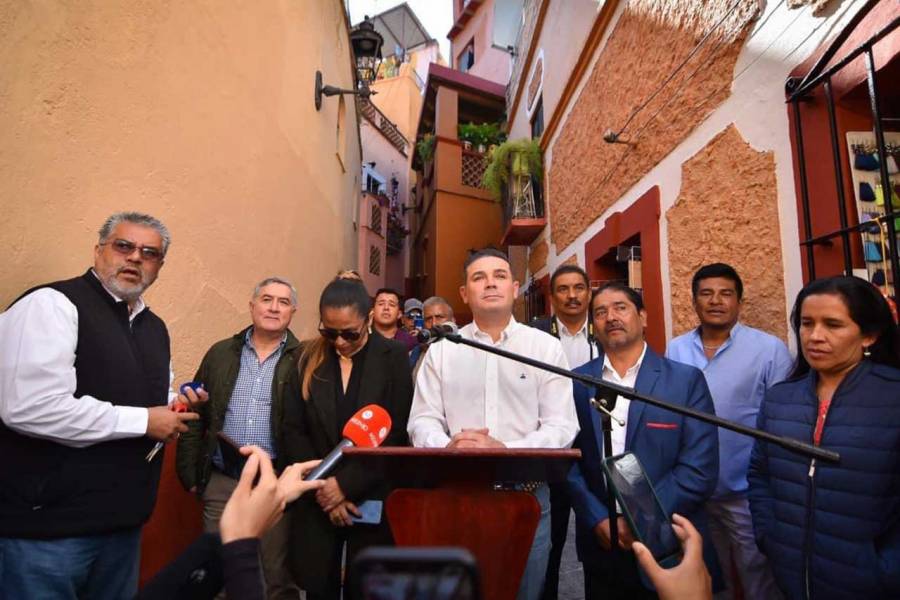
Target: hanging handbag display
879, 196
866, 193
891, 163
871, 251
865, 162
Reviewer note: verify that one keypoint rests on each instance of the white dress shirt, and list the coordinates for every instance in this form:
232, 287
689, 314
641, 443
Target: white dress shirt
38, 337
621, 409
578, 346
459, 387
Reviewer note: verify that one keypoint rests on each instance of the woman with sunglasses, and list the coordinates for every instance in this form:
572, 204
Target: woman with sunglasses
341, 371
833, 530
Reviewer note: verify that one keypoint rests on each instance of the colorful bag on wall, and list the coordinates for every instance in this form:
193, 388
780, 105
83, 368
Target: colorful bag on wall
871, 251
891, 163
866, 193
879, 196
865, 162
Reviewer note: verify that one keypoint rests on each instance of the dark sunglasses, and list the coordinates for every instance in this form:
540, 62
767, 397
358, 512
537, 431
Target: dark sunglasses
125, 248
348, 334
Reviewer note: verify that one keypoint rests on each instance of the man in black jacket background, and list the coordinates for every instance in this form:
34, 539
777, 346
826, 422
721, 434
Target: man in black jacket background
248, 377
570, 294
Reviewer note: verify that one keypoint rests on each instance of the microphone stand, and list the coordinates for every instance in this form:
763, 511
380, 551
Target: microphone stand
608, 392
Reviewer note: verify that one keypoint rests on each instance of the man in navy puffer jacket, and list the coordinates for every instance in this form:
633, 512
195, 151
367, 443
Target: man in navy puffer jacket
832, 531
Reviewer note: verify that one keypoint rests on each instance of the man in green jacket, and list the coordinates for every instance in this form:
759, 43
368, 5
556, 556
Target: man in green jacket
249, 377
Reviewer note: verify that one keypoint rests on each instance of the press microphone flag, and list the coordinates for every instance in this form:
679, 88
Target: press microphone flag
437, 332
366, 429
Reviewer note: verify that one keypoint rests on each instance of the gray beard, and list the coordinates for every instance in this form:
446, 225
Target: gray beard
129, 295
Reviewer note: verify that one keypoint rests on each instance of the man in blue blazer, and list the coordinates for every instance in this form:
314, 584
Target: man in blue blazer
679, 454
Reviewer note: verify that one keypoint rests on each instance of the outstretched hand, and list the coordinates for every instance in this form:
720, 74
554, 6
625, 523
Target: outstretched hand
291, 481
253, 510
690, 579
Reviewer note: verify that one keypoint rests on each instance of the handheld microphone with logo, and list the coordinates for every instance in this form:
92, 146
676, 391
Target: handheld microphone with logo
426, 336
366, 429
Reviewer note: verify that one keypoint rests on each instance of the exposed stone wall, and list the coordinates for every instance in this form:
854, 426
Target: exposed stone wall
572, 260
537, 258
728, 212
650, 40
818, 6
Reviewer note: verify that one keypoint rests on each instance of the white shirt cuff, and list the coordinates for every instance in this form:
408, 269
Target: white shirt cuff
131, 421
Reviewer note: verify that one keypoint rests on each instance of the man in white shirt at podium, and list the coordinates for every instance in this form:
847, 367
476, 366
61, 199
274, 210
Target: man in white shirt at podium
469, 398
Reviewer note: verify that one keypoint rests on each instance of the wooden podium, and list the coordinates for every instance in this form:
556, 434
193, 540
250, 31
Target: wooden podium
447, 497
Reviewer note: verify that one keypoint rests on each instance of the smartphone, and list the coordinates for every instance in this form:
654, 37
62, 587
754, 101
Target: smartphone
643, 510
418, 322
370, 513
389, 573
232, 459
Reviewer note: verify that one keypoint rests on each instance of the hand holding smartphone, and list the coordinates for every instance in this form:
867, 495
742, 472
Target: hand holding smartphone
232, 459
641, 506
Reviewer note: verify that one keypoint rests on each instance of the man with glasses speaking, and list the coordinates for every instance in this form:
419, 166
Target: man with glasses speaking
84, 382
249, 377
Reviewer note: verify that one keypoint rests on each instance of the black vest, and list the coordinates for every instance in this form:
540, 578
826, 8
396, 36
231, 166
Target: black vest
48, 490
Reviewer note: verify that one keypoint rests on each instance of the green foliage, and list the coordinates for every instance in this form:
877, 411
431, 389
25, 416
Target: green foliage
481, 134
515, 157
425, 147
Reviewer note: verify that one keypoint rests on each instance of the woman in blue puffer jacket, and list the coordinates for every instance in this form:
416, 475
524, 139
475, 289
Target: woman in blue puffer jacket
833, 530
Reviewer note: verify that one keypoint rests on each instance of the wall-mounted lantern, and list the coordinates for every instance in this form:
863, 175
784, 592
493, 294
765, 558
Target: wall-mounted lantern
366, 44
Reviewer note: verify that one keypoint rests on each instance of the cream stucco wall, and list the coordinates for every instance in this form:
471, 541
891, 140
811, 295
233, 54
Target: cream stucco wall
491, 63
566, 26
200, 113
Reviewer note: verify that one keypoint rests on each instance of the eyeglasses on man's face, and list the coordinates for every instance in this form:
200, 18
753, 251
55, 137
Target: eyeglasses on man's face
126, 248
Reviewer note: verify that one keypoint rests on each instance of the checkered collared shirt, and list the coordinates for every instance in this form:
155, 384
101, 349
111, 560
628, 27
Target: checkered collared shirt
248, 417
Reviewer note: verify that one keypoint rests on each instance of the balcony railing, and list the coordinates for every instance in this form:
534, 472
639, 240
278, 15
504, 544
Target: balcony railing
528, 203
523, 213
473, 166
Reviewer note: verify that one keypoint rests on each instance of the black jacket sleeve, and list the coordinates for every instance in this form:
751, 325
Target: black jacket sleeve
190, 445
297, 445
243, 573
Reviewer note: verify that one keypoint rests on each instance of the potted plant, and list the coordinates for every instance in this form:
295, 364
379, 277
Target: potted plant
490, 134
481, 135
513, 164
467, 134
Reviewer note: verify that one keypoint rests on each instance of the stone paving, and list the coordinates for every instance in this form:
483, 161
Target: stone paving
571, 579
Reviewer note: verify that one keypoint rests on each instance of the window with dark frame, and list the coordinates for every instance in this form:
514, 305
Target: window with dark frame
466, 58
880, 223
375, 218
374, 260
537, 119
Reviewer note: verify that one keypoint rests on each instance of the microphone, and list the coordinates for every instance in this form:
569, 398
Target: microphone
366, 429
426, 336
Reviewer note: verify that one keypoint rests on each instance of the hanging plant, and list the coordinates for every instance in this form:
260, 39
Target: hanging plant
512, 158
425, 147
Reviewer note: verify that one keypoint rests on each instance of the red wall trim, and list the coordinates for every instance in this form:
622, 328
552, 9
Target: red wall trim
641, 218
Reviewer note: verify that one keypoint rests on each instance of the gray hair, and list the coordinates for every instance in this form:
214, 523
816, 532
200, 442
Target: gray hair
437, 300
138, 219
270, 280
